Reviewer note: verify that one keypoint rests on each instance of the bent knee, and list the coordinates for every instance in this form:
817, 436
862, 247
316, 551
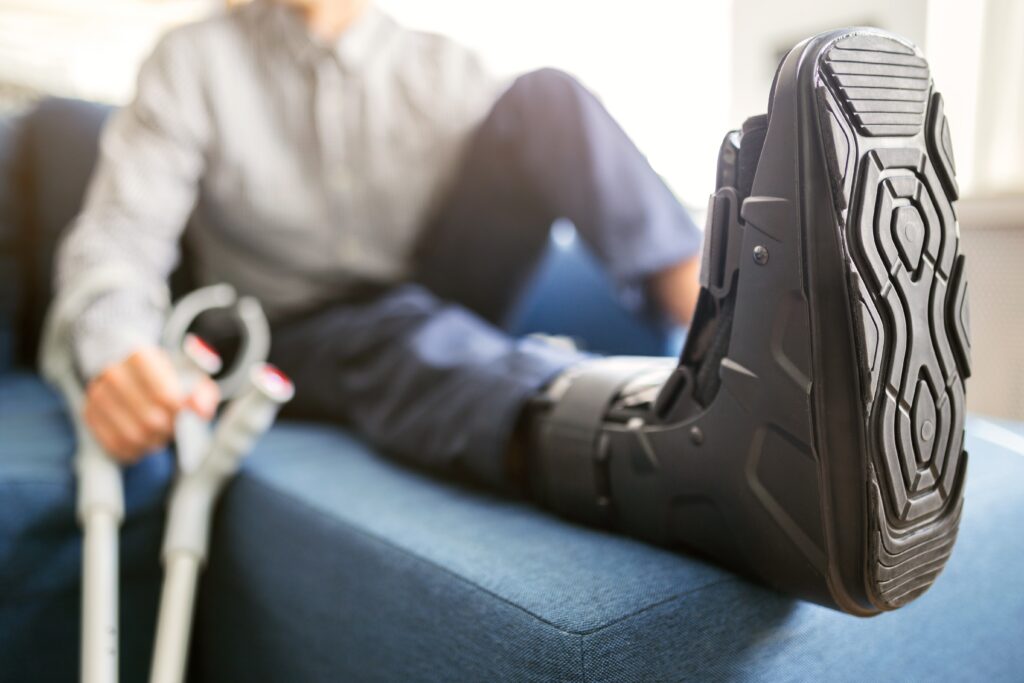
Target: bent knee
546, 86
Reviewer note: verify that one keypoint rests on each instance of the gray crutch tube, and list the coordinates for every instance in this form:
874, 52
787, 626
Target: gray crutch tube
186, 539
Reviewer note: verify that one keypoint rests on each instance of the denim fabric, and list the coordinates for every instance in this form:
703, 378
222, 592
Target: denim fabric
425, 372
427, 381
547, 150
331, 563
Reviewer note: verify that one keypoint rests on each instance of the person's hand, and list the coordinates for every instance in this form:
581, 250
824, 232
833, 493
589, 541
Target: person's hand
130, 406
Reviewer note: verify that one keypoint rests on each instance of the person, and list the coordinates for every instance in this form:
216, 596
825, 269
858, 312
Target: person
323, 145
386, 199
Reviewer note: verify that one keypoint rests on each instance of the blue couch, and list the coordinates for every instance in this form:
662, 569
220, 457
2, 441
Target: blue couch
332, 563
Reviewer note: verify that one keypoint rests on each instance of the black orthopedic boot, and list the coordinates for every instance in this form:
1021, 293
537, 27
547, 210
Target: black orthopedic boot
811, 435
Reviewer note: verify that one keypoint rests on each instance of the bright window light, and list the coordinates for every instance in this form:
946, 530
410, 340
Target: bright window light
661, 68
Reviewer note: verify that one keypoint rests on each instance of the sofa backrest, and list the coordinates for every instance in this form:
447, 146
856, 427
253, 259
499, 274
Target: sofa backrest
55, 151
9, 282
50, 155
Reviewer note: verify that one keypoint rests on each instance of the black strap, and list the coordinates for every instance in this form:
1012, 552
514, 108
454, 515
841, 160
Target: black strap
723, 239
571, 477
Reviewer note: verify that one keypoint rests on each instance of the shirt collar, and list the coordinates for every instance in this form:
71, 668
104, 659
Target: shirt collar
352, 49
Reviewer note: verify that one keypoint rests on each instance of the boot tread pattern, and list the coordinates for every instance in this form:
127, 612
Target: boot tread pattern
882, 84
909, 300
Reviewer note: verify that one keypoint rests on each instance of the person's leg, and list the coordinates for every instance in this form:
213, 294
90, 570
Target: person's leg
549, 150
424, 380
433, 383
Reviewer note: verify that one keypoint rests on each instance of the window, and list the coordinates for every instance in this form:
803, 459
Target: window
677, 75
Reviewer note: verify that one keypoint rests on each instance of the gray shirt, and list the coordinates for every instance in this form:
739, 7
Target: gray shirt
307, 166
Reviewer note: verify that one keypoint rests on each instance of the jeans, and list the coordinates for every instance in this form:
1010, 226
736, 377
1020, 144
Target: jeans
423, 370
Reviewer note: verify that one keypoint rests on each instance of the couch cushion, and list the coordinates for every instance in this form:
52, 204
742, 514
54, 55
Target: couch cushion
57, 149
40, 547
331, 563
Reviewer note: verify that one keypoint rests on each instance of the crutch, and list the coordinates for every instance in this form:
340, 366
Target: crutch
100, 504
207, 461
100, 495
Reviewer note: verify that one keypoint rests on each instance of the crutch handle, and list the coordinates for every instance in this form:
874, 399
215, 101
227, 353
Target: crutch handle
194, 360
186, 539
244, 421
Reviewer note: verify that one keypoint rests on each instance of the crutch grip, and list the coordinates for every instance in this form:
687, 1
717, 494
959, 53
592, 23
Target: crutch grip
194, 360
244, 421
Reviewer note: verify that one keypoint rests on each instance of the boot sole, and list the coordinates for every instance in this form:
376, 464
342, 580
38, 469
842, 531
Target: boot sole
887, 148
829, 462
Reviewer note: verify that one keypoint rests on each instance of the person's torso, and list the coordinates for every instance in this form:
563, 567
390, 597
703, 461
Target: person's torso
326, 162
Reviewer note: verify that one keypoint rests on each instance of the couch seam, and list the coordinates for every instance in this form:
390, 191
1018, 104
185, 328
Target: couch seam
405, 551
583, 664
659, 603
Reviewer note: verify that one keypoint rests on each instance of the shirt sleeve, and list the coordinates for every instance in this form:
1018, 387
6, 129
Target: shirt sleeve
145, 186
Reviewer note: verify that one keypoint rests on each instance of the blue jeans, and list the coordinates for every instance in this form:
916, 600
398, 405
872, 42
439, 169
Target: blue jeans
424, 370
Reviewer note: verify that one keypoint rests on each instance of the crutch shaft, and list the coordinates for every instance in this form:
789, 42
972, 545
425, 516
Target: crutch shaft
170, 656
99, 597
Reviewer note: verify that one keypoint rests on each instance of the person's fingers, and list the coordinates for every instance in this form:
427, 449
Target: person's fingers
154, 419
130, 437
204, 399
101, 429
107, 435
131, 406
155, 372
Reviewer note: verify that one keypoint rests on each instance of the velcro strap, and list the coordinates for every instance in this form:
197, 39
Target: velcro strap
571, 469
723, 238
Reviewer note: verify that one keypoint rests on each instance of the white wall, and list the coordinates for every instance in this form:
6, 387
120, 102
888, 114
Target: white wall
660, 67
85, 48
676, 73
975, 50
999, 106
762, 33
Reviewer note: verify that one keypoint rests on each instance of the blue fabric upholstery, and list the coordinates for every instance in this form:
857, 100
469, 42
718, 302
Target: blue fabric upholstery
333, 563
40, 546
